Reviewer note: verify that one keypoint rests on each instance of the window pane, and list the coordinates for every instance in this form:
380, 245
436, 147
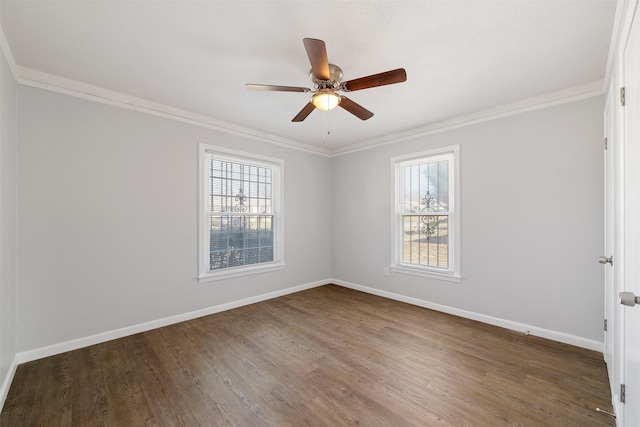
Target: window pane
426, 187
425, 240
238, 240
236, 187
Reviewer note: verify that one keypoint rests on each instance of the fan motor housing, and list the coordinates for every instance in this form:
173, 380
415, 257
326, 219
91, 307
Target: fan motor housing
335, 77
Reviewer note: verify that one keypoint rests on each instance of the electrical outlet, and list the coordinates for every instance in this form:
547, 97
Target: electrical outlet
386, 271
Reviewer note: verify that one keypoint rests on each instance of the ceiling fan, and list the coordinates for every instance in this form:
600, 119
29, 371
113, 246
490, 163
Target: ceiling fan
327, 80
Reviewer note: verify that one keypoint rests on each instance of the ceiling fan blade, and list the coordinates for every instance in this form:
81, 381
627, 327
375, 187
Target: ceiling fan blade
252, 86
380, 79
355, 108
304, 112
317, 53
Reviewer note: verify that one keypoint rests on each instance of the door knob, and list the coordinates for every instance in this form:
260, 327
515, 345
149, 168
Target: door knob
604, 260
629, 298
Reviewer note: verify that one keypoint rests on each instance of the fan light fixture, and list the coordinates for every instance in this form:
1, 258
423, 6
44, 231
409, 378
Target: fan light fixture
325, 100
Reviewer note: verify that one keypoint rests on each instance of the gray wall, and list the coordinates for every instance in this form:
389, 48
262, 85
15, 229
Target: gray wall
532, 219
108, 218
107, 213
107, 210
8, 185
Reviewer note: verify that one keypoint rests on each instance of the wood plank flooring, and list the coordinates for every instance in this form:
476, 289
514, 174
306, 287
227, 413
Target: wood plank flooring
328, 356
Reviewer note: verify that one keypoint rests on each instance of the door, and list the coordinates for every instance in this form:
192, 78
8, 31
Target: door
612, 312
631, 268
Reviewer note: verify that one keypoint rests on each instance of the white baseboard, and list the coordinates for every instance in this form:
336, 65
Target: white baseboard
8, 379
503, 323
39, 353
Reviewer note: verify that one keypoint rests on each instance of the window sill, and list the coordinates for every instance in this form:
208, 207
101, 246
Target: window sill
447, 276
239, 271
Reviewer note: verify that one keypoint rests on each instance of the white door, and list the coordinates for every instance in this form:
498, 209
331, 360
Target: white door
631, 139
612, 312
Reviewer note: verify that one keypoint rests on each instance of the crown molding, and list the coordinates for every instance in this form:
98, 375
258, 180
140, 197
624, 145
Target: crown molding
565, 96
38, 79
8, 54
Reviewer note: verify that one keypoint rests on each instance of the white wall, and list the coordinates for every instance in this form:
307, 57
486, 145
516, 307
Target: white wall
8, 184
532, 220
107, 211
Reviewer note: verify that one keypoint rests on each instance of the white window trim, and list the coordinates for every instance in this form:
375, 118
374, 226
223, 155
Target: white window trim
453, 273
204, 275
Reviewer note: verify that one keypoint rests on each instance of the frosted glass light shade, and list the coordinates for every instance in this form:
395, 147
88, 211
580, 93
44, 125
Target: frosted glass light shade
325, 100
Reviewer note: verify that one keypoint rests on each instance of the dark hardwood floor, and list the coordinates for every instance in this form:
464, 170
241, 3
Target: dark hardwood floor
328, 356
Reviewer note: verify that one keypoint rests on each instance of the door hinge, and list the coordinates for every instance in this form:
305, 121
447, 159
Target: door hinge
605, 325
606, 143
622, 96
622, 393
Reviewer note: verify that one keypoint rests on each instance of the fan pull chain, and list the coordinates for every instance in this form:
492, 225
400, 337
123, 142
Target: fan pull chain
325, 128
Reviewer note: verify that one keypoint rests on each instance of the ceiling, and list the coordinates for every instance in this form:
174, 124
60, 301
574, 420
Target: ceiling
193, 58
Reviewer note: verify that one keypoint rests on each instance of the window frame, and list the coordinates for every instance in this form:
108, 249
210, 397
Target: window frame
452, 273
204, 227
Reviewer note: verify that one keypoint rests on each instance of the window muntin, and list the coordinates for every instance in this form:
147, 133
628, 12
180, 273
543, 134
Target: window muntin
425, 221
241, 216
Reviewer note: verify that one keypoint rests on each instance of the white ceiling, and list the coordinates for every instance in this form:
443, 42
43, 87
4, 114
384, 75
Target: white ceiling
461, 57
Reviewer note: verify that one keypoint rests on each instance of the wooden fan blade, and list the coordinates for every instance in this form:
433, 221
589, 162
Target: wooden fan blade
380, 79
304, 112
355, 108
317, 53
252, 86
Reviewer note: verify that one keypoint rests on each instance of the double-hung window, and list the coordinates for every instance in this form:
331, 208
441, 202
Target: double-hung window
426, 219
241, 215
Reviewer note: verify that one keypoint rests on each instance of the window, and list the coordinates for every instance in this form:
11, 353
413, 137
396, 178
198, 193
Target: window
426, 231
241, 221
